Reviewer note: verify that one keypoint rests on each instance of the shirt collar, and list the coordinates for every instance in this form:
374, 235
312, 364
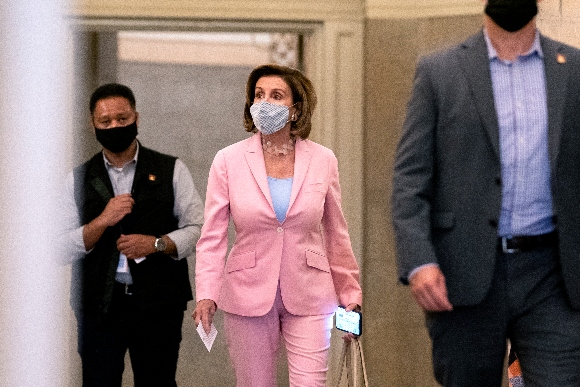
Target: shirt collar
108, 164
536, 48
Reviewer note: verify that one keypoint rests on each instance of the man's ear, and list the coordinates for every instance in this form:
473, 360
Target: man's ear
137, 118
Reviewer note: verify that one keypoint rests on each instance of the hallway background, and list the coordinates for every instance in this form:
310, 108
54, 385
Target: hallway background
361, 57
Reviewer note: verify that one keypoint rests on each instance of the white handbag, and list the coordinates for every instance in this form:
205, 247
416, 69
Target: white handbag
352, 365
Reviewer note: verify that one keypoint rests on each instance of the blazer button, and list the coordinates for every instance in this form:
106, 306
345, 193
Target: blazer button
279, 229
493, 223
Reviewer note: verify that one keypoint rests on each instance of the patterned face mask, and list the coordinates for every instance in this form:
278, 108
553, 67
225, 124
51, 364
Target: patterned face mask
269, 118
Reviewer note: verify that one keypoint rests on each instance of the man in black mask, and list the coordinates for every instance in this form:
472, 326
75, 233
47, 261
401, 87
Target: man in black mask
485, 202
134, 217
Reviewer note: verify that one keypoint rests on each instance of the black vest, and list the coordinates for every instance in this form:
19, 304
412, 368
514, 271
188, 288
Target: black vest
158, 280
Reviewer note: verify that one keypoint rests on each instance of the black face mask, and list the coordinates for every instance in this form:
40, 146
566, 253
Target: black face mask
511, 15
117, 139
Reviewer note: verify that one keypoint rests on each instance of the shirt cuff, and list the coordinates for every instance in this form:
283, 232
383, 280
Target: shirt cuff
184, 239
418, 268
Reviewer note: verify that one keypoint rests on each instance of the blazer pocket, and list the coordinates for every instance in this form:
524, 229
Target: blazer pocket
443, 220
315, 187
317, 261
241, 261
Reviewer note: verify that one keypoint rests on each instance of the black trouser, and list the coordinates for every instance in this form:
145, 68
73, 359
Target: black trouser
151, 335
527, 304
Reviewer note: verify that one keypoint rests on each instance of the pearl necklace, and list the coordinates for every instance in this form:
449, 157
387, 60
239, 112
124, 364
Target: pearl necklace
274, 150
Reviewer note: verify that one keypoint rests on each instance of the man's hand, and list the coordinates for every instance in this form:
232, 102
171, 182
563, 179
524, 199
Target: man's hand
117, 208
429, 289
114, 211
204, 311
136, 245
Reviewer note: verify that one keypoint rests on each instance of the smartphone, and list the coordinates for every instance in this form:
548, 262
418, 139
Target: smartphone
348, 321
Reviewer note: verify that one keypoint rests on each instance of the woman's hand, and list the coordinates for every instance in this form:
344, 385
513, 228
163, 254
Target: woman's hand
204, 311
349, 336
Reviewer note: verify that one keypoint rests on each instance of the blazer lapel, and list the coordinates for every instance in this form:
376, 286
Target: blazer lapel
255, 159
302, 158
475, 65
556, 70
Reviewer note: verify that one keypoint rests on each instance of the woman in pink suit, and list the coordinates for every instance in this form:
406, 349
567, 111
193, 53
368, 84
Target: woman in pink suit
292, 261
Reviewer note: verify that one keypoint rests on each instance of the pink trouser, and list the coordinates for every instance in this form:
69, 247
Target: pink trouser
254, 342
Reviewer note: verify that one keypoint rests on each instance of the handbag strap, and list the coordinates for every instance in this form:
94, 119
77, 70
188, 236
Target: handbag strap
362, 360
346, 362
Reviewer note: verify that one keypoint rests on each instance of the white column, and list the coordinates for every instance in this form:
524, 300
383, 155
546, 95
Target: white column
34, 126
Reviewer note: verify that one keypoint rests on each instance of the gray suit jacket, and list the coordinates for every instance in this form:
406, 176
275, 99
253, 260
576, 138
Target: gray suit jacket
446, 196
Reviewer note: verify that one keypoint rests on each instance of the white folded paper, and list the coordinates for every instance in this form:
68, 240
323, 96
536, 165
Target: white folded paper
207, 339
123, 266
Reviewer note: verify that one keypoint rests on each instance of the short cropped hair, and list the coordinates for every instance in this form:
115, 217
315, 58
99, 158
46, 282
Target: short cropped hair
111, 90
302, 93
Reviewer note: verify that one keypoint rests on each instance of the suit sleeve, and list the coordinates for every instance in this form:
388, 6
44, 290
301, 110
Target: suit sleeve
343, 265
413, 177
212, 246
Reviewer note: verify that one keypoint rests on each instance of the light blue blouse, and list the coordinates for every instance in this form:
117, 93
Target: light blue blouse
280, 190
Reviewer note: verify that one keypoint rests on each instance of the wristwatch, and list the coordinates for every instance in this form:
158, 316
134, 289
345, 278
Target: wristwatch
160, 245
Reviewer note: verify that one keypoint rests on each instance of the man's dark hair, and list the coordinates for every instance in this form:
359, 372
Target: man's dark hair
111, 90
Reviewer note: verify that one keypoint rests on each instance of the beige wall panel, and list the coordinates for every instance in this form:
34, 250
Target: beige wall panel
407, 9
341, 115
230, 9
560, 19
570, 8
550, 7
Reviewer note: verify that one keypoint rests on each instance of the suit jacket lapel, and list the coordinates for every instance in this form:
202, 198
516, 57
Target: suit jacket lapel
475, 65
556, 74
255, 159
303, 155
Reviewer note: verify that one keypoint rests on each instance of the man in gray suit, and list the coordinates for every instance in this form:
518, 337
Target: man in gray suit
486, 202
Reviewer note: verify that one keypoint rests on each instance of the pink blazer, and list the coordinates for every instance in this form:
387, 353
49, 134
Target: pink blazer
310, 253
